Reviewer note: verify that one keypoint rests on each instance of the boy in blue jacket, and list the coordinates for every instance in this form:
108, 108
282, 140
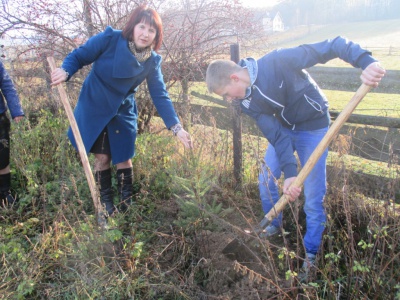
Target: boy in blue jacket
8, 94
292, 113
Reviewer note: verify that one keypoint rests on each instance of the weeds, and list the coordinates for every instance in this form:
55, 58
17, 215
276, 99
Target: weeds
169, 243
195, 206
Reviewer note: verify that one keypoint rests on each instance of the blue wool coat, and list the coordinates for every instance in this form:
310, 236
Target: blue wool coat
107, 95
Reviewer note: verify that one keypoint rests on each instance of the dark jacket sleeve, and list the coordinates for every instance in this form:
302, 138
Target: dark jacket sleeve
308, 55
272, 130
87, 53
160, 96
10, 94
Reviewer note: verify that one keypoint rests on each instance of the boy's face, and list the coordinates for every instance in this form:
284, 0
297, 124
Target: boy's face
234, 90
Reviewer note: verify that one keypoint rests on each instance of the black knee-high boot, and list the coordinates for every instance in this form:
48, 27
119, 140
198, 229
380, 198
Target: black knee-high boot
103, 179
125, 188
5, 193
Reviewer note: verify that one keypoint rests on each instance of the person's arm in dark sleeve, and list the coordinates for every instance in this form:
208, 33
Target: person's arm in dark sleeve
160, 97
87, 53
272, 130
270, 127
308, 55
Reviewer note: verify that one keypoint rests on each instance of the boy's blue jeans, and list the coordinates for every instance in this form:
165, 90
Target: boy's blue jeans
304, 143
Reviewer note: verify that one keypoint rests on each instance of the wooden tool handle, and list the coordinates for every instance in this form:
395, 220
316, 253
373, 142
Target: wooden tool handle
81, 148
319, 150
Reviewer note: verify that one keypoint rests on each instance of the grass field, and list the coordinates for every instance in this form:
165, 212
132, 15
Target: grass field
383, 33
374, 104
377, 36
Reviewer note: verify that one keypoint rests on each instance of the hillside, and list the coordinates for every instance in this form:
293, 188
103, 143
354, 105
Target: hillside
384, 33
378, 36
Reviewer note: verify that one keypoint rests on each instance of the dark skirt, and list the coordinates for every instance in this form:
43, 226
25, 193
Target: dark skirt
102, 144
4, 141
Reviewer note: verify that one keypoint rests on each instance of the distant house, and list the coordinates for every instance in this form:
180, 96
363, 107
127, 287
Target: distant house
274, 24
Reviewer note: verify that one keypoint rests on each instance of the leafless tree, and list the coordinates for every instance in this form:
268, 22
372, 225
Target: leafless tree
195, 31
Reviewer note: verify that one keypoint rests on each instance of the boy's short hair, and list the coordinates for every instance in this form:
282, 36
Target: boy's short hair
219, 72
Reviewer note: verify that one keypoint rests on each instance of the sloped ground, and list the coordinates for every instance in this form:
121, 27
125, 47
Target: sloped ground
257, 269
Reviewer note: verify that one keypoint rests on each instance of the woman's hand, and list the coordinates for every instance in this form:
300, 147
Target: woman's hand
184, 137
18, 119
291, 191
58, 75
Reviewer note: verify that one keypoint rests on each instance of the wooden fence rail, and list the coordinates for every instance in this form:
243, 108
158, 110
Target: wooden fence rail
373, 137
354, 118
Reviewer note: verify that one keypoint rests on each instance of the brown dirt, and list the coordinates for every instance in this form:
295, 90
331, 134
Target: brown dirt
247, 273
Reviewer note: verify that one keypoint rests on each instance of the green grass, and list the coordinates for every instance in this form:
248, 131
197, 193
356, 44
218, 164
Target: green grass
374, 104
361, 165
388, 62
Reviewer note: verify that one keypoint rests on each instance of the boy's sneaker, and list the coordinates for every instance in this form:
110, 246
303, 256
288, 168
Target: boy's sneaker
270, 230
307, 267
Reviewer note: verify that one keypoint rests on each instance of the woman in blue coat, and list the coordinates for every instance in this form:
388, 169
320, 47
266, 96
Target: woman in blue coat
106, 112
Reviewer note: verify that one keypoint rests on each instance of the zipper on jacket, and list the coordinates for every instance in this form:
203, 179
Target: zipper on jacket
314, 104
273, 101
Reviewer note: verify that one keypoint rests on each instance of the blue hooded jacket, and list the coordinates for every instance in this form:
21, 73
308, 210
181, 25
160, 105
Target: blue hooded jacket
283, 93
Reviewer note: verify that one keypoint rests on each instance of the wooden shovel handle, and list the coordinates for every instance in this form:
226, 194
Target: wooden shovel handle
319, 150
81, 148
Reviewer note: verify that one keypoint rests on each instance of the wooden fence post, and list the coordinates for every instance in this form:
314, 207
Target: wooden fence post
237, 129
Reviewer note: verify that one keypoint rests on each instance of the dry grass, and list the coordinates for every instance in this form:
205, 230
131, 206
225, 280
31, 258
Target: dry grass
187, 207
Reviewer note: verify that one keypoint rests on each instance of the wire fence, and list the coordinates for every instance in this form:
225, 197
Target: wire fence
391, 50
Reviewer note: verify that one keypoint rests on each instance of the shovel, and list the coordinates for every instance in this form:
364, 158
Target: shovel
308, 166
100, 216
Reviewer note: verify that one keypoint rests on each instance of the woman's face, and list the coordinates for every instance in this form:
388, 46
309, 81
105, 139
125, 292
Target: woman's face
143, 35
